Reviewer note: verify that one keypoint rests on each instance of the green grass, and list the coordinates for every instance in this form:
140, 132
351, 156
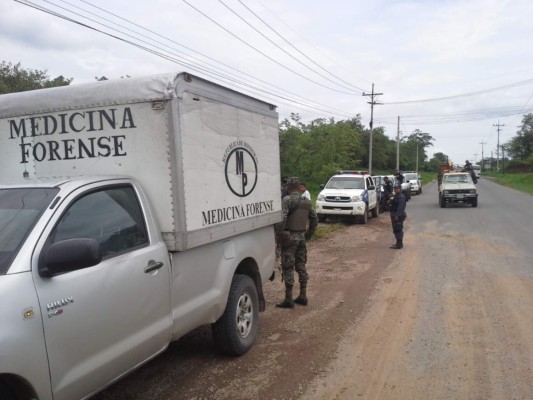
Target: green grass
519, 181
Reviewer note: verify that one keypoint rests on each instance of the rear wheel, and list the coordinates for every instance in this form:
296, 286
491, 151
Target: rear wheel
235, 331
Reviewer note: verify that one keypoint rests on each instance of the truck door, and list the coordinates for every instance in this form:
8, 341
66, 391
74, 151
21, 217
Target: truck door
371, 193
99, 322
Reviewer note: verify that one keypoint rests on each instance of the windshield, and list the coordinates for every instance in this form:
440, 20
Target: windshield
463, 178
19, 210
411, 177
345, 182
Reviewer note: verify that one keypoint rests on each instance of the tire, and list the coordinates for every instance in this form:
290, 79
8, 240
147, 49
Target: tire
474, 202
375, 211
6, 393
442, 201
321, 218
235, 331
364, 218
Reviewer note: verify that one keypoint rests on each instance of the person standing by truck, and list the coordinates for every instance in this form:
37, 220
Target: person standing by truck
299, 224
398, 215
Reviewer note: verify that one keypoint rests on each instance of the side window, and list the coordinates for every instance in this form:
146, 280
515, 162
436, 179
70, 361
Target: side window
111, 216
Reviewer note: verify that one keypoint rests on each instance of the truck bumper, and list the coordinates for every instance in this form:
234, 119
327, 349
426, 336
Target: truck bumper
341, 209
460, 198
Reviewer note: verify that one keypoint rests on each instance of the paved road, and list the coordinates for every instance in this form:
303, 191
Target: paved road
455, 319
448, 317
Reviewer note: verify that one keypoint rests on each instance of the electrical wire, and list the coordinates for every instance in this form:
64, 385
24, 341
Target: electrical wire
282, 49
263, 54
298, 50
207, 71
458, 96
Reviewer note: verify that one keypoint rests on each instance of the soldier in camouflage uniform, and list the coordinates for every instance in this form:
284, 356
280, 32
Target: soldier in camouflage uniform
297, 213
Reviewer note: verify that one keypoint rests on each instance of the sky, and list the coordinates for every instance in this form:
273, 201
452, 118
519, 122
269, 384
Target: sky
452, 68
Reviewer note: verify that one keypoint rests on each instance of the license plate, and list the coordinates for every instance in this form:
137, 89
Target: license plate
460, 196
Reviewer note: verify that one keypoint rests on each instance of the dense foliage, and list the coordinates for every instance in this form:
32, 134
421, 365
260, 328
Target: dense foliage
314, 151
520, 147
14, 78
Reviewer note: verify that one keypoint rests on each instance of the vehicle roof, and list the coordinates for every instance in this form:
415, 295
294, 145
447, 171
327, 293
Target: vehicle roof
56, 182
349, 175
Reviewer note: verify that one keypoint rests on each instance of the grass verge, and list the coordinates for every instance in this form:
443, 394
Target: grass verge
519, 181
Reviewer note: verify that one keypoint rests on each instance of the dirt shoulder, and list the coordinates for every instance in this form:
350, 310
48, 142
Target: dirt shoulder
294, 347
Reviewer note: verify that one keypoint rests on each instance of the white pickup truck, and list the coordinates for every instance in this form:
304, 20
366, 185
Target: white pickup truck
131, 212
348, 194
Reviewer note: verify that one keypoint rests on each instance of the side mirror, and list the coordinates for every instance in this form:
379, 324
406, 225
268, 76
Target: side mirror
69, 255
322, 186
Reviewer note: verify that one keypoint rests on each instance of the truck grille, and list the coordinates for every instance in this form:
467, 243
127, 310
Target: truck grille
459, 191
338, 199
336, 208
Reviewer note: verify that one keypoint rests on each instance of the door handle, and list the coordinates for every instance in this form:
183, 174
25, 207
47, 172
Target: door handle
152, 266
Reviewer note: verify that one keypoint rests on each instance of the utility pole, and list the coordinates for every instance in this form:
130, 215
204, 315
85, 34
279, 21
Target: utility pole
398, 146
498, 125
372, 103
475, 158
482, 159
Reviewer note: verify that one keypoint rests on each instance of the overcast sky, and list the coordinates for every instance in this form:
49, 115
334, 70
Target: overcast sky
451, 68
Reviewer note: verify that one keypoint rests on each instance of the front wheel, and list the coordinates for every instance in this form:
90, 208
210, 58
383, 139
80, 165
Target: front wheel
474, 202
375, 211
442, 201
321, 218
6, 393
363, 219
235, 331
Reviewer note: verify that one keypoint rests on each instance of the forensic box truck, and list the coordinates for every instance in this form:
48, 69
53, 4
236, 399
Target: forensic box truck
131, 212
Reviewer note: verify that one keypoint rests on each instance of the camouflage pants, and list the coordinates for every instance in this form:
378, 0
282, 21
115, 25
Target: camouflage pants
293, 258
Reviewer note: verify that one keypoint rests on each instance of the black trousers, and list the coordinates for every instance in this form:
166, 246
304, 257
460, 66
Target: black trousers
397, 227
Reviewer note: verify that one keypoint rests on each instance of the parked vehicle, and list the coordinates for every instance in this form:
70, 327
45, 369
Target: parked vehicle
348, 194
415, 185
477, 170
457, 187
131, 212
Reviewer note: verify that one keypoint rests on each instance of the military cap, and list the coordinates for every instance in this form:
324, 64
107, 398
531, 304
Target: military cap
293, 181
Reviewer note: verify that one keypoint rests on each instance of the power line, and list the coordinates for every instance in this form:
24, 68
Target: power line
295, 48
263, 54
304, 39
281, 48
182, 62
508, 86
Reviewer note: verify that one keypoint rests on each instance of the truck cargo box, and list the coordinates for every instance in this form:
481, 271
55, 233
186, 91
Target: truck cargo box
207, 156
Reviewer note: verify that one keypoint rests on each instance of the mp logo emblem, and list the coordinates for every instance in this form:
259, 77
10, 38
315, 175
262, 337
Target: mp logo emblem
240, 168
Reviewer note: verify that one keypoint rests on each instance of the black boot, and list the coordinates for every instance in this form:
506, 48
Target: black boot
302, 297
398, 245
287, 302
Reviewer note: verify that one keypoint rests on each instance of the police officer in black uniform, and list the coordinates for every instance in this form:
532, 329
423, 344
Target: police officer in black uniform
299, 224
398, 215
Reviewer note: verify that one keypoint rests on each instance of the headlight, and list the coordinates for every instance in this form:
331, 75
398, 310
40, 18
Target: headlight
472, 191
320, 197
444, 192
355, 198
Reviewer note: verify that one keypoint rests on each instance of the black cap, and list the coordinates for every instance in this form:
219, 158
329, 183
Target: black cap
293, 181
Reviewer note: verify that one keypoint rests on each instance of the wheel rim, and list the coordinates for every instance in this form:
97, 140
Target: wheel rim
245, 315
